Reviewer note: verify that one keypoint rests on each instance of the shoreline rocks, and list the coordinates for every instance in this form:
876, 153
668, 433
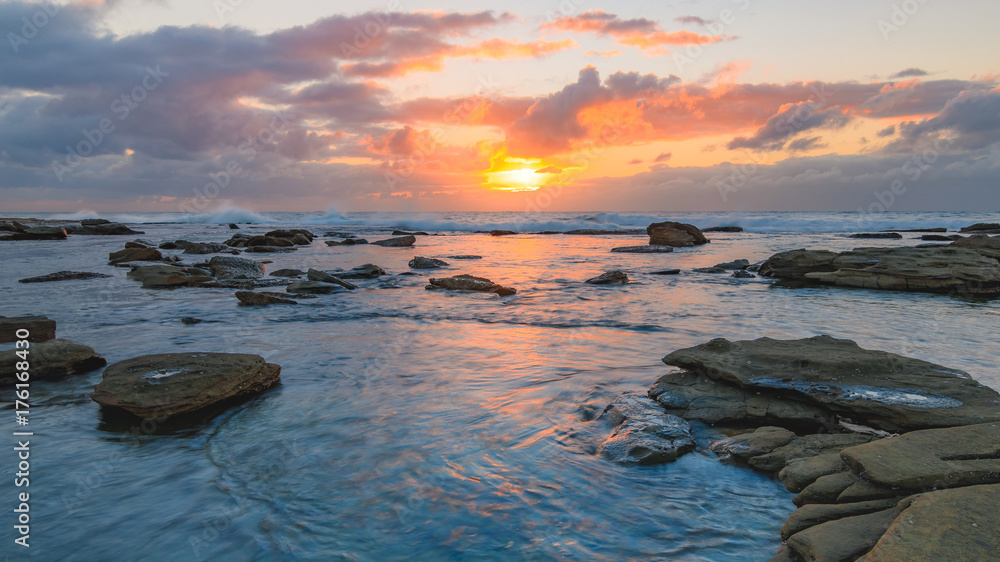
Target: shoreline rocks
156, 387
40, 328
51, 359
643, 432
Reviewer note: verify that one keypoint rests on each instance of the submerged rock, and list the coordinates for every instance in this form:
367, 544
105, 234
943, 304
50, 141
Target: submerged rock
761, 441
502, 232
158, 276
171, 384
398, 242
645, 249
366, 271
251, 298
675, 234
666, 272
63, 276
609, 278
644, 433
312, 287
470, 283
877, 235
49, 359
723, 229
466, 257
712, 269
224, 267
427, 263
878, 389
743, 274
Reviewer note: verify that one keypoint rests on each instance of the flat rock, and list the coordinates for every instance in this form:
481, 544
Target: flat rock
366, 271
644, 433
312, 287
921, 460
470, 283
986, 245
159, 276
666, 272
398, 242
502, 232
225, 267
826, 489
877, 235
40, 328
812, 515
171, 384
609, 278
37, 233
793, 265
735, 264
269, 249
982, 227
843, 539
675, 234
420, 262
288, 273
644, 249
204, 248
874, 388
799, 473
63, 276
957, 524
134, 254
761, 441
251, 298
49, 359
324, 277
723, 229
465, 257
696, 397
806, 447
935, 269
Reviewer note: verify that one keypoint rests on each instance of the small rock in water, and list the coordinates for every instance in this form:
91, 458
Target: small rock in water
40, 328
666, 272
427, 263
466, 257
52, 358
609, 278
399, 242
314, 287
251, 298
190, 320
502, 232
288, 273
232, 226
885, 235
645, 249
742, 274
324, 277
714, 269
224, 267
735, 264
404, 233
675, 234
63, 276
134, 254
723, 229
470, 283
366, 271
644, 433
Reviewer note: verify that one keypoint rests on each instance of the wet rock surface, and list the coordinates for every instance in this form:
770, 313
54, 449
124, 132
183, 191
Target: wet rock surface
643, 432
675, 234
50, 359
167, 385
398, 242
420, 262
40, 328
645, 249
470, 283
64, 276
609, 278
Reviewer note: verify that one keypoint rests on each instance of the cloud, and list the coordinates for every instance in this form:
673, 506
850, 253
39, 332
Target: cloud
971, 121
887, 132
635, 161
909, 73
790, 120
663, 157
641, 33
692, 20
802, 145
549, 170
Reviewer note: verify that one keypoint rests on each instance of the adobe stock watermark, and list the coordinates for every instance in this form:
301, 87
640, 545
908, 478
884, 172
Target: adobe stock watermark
248, 152
900, 16
32, 25
364, 35
121, 108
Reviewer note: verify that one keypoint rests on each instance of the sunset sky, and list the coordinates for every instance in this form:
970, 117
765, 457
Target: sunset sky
572, 105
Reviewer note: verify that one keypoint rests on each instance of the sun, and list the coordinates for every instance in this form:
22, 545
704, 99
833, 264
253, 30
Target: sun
515, 175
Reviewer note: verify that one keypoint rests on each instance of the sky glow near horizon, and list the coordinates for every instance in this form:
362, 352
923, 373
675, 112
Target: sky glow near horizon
565, 105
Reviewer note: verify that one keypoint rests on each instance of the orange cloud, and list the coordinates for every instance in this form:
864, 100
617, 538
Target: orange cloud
504, 49
639, 32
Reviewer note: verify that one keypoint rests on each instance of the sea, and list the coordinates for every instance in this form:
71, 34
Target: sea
431, 425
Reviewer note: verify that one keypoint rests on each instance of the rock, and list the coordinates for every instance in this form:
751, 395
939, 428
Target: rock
761, 441
741, 274
94, 222
666, 272
366, 271
288, 273
470, 283
861, 491
982, 227
136, 244
806, 447
396, 242
644, 433
251, 298
157, 276
190, 320
646, 249
301, 240
291, 235
874, 388
465, 257
675, 234
38, 233
609, 278
882, 235
800, 473
354, 241
203, 248
179, 245
269, 249
826, 489
232, 226
941, 237
709, 270
723, 229
843, 539
427, 263
931, 269
403, 233
795, 264
933, 229
735, 264
63, 276
134, 254
812, 515
958, 524
695, 397
225, 267
40, 328
171, 384
324, 277
49, 359
986, 245
312, 287
246, 284
502, 232
105, 229
932, 458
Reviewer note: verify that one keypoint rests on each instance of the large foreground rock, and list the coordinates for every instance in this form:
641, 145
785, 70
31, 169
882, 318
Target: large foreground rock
171, 384
40, 328
933, 458
675, 234
874, 388
644, 433
470, 283
53, 358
